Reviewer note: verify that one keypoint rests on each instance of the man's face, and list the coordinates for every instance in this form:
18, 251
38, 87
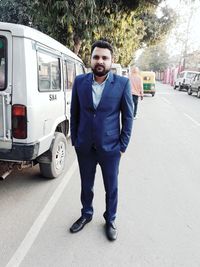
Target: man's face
101, 61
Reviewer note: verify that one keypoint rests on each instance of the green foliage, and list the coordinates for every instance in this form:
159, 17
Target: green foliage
16, 11
127, 24
154, 58
70, 22
156, 28
124, 32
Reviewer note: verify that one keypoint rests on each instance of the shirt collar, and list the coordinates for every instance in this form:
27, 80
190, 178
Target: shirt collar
93, 80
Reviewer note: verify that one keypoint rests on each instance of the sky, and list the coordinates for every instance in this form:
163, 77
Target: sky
173, 3
183, 9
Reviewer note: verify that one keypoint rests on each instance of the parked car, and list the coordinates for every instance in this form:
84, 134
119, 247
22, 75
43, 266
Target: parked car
183, 79
195, 85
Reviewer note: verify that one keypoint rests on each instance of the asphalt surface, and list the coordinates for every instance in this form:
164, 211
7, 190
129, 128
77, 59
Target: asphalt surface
159, 201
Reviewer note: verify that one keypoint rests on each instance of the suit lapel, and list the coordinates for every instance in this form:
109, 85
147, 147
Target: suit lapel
89, 89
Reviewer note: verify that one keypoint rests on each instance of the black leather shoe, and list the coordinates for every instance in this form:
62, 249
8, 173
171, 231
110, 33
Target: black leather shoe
79, 224
111, 231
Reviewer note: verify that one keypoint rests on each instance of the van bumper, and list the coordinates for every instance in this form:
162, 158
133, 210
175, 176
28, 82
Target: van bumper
20, 152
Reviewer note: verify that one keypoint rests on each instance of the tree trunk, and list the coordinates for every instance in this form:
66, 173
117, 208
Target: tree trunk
77, 44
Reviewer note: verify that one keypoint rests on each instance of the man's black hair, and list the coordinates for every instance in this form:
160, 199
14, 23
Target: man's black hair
102, 44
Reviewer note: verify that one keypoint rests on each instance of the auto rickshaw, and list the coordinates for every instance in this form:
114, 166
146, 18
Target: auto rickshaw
148, 78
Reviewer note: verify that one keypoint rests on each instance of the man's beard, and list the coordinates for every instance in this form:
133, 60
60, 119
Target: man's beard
100, 73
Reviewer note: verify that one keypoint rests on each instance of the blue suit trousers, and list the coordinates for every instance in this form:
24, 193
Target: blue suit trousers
109, 163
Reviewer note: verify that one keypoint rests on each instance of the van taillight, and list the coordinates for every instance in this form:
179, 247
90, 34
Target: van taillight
19, 122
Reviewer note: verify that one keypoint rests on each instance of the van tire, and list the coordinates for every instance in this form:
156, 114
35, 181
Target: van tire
198, 93
179, 88
57, 164
189, 91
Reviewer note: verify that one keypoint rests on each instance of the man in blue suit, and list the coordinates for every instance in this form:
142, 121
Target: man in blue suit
101, 124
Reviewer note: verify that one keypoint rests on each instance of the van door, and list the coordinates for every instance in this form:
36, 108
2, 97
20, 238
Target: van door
195, 83
70, 76
5, 89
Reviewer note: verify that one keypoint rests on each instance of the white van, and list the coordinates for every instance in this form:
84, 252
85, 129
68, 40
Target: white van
183, 79
116, 68
36, 76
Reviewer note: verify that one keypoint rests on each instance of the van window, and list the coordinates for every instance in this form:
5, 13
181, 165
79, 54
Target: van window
190, 75
70, 73
146, 78
65, 74
194, 78
79, 69
49, 72
2, 63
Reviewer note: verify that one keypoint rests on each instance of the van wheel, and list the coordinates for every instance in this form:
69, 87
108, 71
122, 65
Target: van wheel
198, 93
179, 88
153, 94
58, 150
189, 91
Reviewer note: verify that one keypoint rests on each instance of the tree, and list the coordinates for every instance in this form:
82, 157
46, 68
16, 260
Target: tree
124, 32
156, 28
70, 22
182, 36
154, 58
128, 24
16, 11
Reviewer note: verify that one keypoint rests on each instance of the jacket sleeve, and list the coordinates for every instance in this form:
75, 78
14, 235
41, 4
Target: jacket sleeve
74, 113
126, 117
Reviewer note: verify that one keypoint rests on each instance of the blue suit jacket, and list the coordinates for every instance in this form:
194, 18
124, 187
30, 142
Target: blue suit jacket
102, 127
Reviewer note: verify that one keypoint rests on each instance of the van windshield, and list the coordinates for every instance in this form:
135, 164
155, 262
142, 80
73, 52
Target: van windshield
190, 75
2, 63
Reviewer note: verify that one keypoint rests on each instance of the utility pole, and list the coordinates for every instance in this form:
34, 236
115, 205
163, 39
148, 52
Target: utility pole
188, 29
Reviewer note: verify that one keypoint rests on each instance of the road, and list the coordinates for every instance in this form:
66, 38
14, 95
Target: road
159, 200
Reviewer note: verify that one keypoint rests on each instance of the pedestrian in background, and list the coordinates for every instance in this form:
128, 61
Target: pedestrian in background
98, 100
136, 87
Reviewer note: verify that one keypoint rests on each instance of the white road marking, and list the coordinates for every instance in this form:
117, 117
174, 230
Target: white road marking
166, 93
193, 120
166, 100
32, 234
